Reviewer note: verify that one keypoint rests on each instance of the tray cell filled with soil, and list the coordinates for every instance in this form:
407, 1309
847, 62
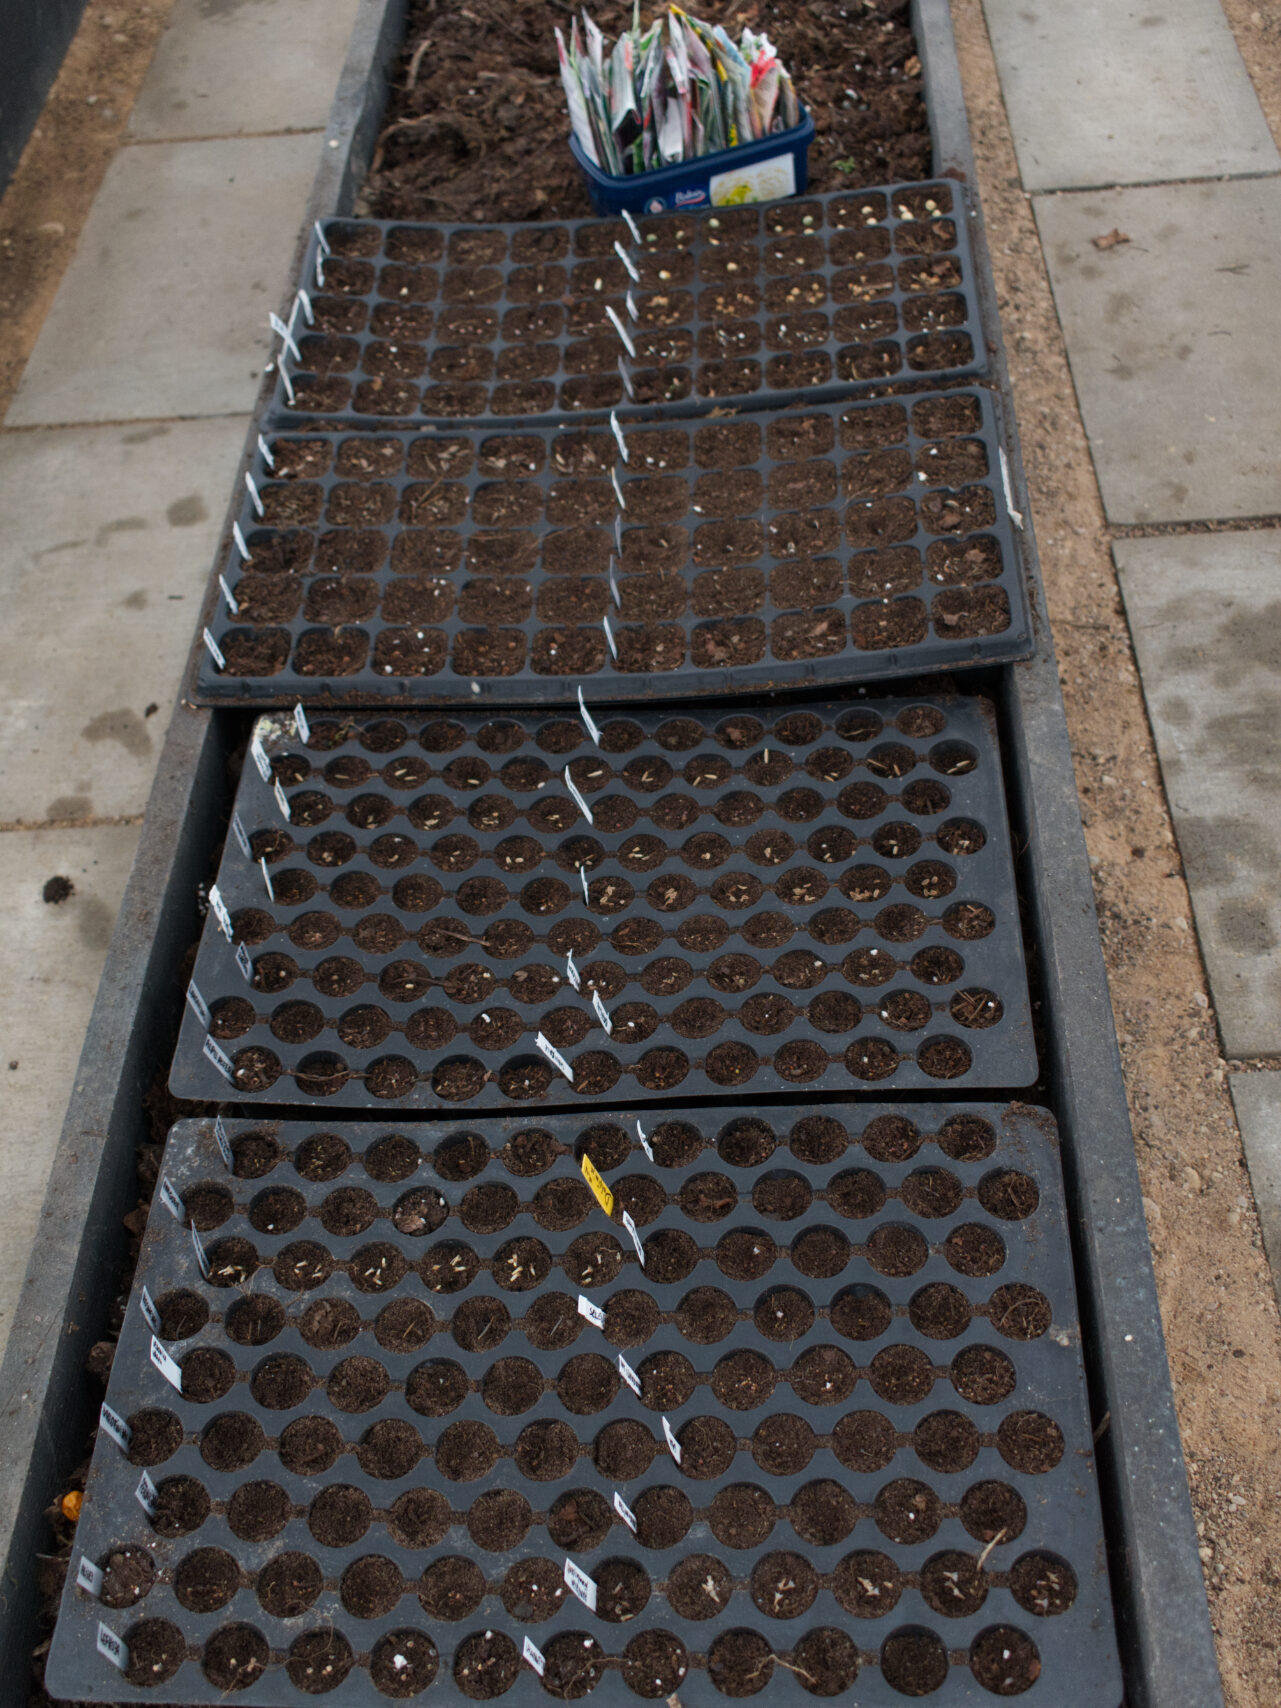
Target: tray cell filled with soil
848, 542
825, 1421
486, 911
745, 306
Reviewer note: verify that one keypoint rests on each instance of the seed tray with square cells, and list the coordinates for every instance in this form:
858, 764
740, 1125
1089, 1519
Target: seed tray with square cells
746, 305
841, 542
818, 896
397, 1421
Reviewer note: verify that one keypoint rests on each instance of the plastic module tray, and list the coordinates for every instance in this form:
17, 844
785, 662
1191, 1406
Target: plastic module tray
846, 542
822, 896
745, 306
407, 1419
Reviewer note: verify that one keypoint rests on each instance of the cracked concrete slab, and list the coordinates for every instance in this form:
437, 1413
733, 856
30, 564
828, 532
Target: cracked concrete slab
1205, 614
163, 310
51, 957
108, 540
1170, 336
235, 67
1126, 92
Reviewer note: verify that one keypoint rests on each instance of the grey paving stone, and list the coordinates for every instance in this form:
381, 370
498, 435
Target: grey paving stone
51, 958
1172, 339
108, 539
226, 68
1257, 1097
1205, 613
1126, 92
163, 310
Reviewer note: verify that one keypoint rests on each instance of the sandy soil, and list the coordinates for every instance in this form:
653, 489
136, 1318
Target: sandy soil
62, 165
1219, 1308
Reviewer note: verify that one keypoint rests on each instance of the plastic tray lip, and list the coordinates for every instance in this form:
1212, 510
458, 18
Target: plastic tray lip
283, 409
1065, 1519
1003, 1054
607, 683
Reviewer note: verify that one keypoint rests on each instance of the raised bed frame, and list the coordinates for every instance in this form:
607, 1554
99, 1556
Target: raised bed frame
48, 1406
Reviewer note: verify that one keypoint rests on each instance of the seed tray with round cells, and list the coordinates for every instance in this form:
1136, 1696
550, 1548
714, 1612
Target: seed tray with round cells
854, 541
746, 305
396, 1423
818, 896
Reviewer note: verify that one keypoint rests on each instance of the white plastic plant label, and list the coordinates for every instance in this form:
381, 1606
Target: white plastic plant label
214, 1053
614, 594
1016, 516
251, 487
579, 1584
609, 637
627, 261
554, 1057
146, 1494
629, 1375
602, 1014
166, 1365
618, 535
572, 973
630, 346
533, 1655
589, 722
579, 799
631, 307
266, 878
233, 604
150, 1315
282, 801
223, 1143
625, 1512
116, 1428
284, 371
241, 835
308, 312
302, 729
322, 242
258, 753
630, 1225
625, 374
171, 1198
632, 226
89, 1577
114, 1648
245, 961
213, 649
218, 907
645, 1144
202, 1256
673, 1445
286, 337
264, 449
197, 1004
239, 538
594, 1314
582, 872
618, 491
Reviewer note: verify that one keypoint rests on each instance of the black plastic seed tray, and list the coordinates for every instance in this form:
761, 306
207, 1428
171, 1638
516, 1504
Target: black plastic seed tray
842, 542
816, 897
743, 305
397, 1424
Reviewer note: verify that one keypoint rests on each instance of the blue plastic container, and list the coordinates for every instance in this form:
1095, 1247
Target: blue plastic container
763, 171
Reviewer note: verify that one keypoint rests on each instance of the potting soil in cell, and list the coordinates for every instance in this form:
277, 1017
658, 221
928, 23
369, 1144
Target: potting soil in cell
835, 543
742, 306
819, 896
408, 1423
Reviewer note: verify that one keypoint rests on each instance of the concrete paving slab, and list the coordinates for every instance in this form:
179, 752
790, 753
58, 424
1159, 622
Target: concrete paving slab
1205, 613
51, 958
1171, 338
1257, 1098
163, 310
1126, 92
108, 539
234, 67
